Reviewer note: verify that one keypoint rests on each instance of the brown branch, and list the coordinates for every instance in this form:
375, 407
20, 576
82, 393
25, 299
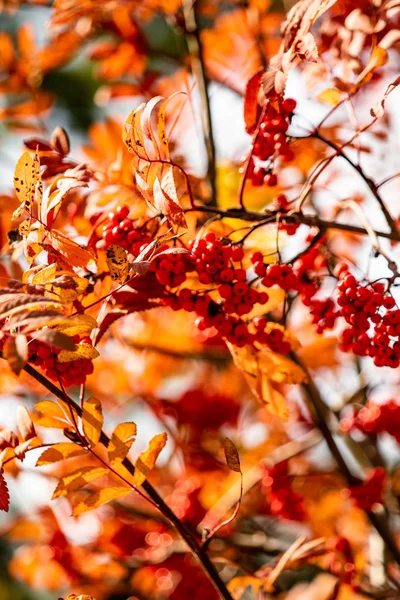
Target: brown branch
194, 545
293, 217
322, 416
370, 183
197, 57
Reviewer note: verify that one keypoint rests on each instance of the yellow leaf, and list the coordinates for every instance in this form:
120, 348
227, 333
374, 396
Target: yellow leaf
262, 369
81, 351
117, 263
121, 441
51, 415
133, 135
330, 96
378, 58
92, 420
146, 461
231, 455
59, 452
78, 324
27, 183
100, 497
45, 274
78, 479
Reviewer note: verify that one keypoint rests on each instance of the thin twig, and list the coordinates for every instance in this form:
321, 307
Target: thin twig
196, 53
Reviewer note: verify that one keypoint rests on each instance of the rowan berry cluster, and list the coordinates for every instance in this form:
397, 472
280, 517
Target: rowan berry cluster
184, 501
119, 229
171, 269
374, 321
284, 502
44, 356
373, 419
370, 492
271, 143
70, 373
340, 559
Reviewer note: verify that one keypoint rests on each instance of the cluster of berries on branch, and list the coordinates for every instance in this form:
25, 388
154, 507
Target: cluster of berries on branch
374, 321
271, 143
370, 491
121, 230
44, 356
339, 559
284, 502
374, 419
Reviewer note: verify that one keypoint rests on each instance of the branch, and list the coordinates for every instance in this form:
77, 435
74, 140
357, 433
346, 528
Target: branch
196, 53
370, 183
323, 415
205, 561
293, 217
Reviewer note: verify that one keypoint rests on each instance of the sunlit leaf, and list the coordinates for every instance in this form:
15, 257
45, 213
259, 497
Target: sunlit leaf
147, 459
99, 498
92, 420
121, 441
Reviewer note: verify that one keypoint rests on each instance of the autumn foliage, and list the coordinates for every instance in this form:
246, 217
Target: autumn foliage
199, 307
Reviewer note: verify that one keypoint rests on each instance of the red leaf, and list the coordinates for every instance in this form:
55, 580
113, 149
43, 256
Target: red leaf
4, 495
252, 108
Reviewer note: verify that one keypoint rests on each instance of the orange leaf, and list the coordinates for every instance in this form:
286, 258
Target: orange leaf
251, 105
121, 441
77, 479
92, 420
58, 452
146, 461
100, 497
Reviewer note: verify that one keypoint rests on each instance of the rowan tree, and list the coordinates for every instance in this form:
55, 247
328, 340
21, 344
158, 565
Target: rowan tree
199, 318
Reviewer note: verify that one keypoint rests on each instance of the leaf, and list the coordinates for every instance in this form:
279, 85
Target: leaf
81, 351
52, 414
76, 255
379, 109
330, 96
378, 58
18, 302
262, 369
45, 274
251, 104
151, 106
100, 497
60, 141
166, 199
121, 441
300, 19
231, 455
92, 420
77, 479
15, 351
146, 461
59, 452
117, 263
4, 495
24, 423
132, 134
55, 338
27, 183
